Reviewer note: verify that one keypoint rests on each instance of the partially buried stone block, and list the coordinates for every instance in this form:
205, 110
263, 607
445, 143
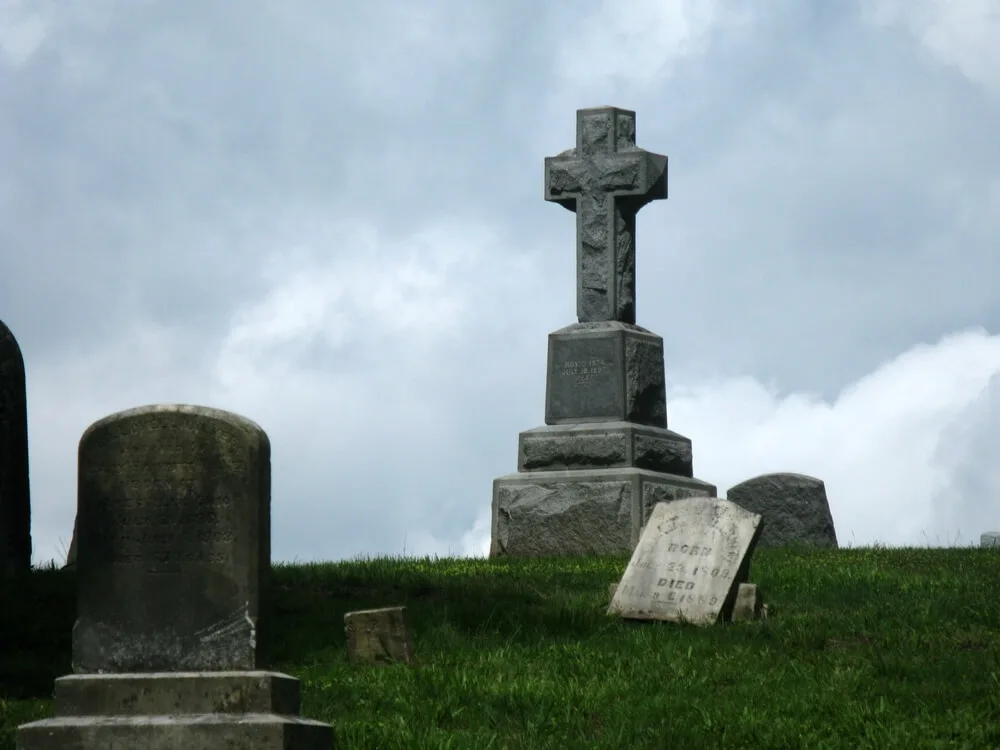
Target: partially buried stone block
173, 552
378, 636
794, 507
748, 603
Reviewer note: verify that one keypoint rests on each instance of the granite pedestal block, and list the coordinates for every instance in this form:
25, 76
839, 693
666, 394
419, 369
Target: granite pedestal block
580, 512
609, 445
605, 371
252, 710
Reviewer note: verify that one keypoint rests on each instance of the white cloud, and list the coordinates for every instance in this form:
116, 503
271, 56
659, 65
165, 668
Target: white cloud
634, 42
889, 447
961, 33
23, 28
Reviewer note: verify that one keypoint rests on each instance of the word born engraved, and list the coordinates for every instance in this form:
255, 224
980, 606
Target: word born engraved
690, 549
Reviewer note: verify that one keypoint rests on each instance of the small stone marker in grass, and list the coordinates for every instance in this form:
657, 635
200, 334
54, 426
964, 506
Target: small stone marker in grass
690, 560
990, 539
378, 636
748, 604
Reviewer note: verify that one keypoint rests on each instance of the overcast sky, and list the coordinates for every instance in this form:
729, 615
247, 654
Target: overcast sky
328, 217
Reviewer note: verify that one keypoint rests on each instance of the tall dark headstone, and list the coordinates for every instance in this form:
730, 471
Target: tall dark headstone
588, 480
173, 553
15, 502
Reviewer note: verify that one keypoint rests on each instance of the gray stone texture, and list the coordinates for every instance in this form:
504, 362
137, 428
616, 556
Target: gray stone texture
990, 539
587, 480
609, 445
15, 503
605, 372
748, 605
580, 512
71, 554
794, 506
605, 180
173, 552
180, 710
170, 495
378, 636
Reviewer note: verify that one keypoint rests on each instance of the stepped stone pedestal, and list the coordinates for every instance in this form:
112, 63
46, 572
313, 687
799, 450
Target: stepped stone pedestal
588, 480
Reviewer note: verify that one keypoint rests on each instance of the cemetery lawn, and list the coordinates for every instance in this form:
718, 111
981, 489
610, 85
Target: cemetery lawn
862, 648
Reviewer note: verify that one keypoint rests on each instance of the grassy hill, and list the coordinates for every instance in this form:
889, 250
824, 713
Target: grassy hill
863, 648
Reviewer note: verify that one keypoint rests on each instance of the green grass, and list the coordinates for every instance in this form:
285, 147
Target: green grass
863, 648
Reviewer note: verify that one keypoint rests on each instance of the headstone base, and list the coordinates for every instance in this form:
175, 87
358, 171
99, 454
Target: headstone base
582, 512
164, 711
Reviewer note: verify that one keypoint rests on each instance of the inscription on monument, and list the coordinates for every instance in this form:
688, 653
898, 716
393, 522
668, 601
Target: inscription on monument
687, 562
585, 379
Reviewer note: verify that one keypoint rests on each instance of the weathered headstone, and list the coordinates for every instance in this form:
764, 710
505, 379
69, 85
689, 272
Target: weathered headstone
689, 563
173, 552
378, 636
794, 507
587, 481
990, 539
15, 503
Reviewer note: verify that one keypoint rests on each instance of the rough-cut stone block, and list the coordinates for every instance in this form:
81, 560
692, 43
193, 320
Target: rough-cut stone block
607, 445
687, 566
378, 636
605, 372
990, 539
748, 603
15, 503
173, 522
794, 507
582, 512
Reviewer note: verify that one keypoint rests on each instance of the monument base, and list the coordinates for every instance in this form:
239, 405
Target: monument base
164, 711
580, 512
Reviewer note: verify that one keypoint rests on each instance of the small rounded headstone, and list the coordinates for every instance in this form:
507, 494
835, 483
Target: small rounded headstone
794, 507
990, 539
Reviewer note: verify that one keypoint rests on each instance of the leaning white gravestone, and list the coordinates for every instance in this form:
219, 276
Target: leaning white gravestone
690, 559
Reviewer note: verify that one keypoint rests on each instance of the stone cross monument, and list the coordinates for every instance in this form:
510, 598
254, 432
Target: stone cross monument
588, 480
